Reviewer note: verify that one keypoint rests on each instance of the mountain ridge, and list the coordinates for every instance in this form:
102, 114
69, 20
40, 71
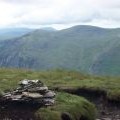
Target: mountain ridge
76, 48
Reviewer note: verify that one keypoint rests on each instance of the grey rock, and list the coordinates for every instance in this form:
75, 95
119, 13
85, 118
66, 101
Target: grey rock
31, 91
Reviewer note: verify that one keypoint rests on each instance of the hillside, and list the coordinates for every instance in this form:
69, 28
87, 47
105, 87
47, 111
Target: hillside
81, 48
108, 63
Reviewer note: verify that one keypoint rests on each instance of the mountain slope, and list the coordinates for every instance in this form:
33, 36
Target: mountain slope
77, 48
108, 63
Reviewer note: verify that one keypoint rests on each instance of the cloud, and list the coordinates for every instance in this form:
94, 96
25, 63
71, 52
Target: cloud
32, 13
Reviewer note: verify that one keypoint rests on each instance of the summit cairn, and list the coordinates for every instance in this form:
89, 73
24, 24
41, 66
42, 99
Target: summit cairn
31, 91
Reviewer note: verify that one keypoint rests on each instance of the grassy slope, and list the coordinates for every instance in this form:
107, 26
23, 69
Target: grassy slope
59, 78
74, 106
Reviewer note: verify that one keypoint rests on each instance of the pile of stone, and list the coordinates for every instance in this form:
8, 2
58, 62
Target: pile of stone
31, 91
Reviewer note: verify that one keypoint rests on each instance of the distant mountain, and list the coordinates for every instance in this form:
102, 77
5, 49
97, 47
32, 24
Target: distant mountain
10, 33
83, 48
48, 28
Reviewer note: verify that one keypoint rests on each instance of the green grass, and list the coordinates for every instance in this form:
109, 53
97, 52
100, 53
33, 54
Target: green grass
61, 79
74, 106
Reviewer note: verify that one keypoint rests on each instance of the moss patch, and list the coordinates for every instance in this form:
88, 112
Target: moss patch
69, 106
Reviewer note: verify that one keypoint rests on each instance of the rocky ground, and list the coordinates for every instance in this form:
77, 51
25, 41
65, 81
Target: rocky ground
108, 111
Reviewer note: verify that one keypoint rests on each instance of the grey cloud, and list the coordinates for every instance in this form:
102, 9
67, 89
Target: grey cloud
18, 1
48, 12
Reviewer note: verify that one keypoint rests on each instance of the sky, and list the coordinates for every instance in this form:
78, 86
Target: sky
59, 14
